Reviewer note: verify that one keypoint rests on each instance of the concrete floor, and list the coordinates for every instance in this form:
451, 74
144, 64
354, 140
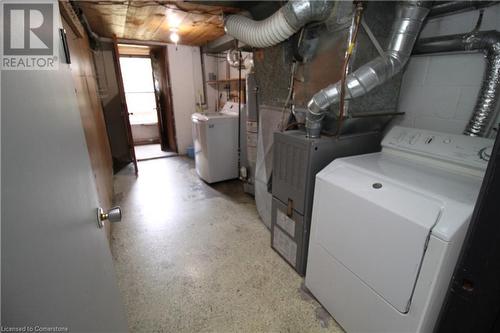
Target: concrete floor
147, 152
192, 257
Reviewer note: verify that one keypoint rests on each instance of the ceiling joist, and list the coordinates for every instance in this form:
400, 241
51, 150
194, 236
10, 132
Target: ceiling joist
196, 24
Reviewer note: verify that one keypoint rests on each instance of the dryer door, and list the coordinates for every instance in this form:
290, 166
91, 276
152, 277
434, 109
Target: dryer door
376, 228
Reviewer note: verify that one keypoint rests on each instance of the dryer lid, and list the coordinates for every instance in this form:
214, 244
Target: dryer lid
212, 116
376, 228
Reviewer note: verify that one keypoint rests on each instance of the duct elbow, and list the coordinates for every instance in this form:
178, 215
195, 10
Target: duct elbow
268, 32
313, 125
317, 107
299, 12
320, 102
280, 26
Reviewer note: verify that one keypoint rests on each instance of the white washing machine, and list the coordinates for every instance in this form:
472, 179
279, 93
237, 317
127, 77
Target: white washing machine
215, 137
387, 229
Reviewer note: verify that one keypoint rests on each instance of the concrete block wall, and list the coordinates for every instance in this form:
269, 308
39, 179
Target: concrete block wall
438, 92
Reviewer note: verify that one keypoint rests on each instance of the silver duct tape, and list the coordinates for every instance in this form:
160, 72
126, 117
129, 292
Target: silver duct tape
299, 12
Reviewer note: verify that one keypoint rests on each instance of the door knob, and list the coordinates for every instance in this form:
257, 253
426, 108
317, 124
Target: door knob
112, 215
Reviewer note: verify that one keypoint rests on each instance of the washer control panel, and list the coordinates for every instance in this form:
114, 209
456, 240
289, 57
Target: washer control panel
466, 150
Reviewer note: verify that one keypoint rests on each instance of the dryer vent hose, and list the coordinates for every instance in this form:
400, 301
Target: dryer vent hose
280, 26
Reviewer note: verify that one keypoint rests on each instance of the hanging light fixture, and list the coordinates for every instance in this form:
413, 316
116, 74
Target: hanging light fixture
174, 37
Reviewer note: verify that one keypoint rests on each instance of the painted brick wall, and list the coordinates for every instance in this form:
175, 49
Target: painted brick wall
439, 92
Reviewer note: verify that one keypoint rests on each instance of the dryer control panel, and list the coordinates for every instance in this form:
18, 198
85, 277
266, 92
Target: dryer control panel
465, 150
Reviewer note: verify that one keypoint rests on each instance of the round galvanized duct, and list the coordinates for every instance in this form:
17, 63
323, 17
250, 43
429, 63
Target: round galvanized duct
410, 16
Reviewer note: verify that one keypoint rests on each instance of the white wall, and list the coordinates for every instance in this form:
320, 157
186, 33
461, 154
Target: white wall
218, 66
211, 67
186, 80
439, 92
187, 85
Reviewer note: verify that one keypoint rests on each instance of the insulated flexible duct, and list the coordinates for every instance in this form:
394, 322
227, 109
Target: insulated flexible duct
280, 26
410, 16
489, 94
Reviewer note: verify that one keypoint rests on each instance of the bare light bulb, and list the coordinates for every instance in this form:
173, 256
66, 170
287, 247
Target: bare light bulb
174, 37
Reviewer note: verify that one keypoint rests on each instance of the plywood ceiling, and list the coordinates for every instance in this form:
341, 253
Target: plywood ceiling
154, 20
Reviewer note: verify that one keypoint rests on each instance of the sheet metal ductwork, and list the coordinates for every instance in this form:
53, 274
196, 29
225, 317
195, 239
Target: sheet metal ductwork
233, 58
489, 94
440, 8
280, 26
409, 19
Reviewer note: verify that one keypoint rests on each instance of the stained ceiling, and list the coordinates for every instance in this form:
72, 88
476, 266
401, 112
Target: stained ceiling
195, 23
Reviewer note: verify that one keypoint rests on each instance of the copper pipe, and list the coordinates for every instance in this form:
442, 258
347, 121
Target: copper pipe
345, 68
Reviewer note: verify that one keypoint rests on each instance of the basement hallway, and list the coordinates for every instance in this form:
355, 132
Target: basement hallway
193, 257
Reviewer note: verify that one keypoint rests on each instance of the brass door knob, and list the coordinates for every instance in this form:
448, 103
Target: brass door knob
112, 215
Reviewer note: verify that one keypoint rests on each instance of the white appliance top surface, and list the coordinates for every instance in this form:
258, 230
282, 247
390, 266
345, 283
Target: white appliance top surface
231, 107
466, 151
229, 110
210, 116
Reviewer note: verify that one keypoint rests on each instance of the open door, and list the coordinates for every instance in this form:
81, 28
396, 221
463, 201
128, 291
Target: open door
125, 114
160, 105
161, 77
57, 269
91, 112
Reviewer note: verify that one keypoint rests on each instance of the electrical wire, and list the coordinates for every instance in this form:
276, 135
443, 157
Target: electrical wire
479, 20
291, 84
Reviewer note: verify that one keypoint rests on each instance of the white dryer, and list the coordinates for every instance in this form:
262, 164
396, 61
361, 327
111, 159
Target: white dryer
387, 229
215, 137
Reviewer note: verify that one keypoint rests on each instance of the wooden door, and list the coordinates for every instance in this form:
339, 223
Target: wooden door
125, 114
160, 107
159, 61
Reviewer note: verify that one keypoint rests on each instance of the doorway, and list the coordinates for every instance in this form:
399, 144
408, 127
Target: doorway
146, 100
137, 73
